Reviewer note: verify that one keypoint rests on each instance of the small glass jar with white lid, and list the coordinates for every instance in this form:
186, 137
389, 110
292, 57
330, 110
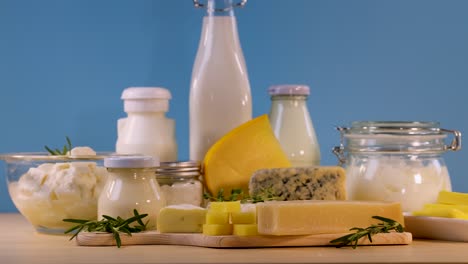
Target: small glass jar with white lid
396, 161
180, 182
131, 184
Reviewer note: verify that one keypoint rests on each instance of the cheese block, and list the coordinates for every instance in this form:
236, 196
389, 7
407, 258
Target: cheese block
303, 183
217, 230
245, 230
446, 197
185, 218
321, 217
217, 218
232, 160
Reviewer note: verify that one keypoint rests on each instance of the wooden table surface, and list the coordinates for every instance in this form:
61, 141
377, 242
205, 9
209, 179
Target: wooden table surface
19, 243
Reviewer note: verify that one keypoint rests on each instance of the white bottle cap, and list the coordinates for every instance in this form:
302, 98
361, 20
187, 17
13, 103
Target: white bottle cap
289, 89
146, 99
131, 162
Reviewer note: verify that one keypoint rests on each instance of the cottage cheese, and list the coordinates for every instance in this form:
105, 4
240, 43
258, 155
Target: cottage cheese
53, 191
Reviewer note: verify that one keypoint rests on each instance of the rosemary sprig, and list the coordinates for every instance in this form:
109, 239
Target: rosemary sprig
385, 226
110, 225
67, 147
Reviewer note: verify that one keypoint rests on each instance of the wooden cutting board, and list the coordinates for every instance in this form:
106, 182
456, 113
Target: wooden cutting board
200, 240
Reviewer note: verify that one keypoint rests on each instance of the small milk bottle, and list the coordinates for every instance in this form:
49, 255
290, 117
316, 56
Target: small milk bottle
292, 125
146, 130
220, 98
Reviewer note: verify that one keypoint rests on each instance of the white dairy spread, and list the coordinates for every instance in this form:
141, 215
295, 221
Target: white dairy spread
183, 193
413, 183
53, 191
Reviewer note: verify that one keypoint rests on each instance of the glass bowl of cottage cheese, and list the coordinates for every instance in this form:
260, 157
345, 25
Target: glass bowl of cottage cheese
49, 188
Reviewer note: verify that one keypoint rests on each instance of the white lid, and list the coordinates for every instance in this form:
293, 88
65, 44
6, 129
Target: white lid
289, 89
146, 99
131, 162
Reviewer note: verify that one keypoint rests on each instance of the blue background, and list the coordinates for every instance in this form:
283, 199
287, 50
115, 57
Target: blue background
64, 64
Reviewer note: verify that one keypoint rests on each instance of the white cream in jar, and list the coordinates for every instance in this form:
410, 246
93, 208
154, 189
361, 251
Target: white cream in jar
131, 184
397, 161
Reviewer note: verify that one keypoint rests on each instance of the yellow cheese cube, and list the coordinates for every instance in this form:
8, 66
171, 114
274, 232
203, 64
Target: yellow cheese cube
243, 218
245, 230
463, 208
184, 218
217, 218
442, 212
446, 197
217, 230
321, 217
229, 207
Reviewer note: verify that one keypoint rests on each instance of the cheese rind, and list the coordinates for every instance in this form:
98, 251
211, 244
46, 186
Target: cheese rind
302, 183
321, 217
181, 219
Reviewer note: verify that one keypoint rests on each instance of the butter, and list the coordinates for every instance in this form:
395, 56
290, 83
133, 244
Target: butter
321, 217
183, 218
446, 197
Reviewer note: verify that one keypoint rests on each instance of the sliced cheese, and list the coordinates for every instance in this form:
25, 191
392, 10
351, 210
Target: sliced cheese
181, 219
232, 160
227, 207
217, 218
303, 183
446, 197
321, 217
245, 229
217, 230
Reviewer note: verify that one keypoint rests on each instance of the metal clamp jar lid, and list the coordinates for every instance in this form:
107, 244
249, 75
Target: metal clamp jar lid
395, 137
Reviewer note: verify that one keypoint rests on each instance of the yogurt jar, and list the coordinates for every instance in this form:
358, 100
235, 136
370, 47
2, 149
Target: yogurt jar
131, 184
396, 161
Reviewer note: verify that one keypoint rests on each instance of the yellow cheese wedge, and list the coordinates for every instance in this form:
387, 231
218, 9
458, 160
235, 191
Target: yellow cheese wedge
321, 217
227, 207
217, 218
245, 230
217, 230
442, 212
181, 219
446, 197
232, 160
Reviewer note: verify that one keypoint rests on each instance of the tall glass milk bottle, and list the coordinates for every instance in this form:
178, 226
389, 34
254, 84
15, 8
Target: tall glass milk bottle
220, 98
292, 125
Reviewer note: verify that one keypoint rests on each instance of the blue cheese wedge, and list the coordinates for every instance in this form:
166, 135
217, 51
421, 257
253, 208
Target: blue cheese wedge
302, 183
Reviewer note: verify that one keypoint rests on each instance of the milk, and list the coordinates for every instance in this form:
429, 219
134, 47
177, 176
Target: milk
220, 98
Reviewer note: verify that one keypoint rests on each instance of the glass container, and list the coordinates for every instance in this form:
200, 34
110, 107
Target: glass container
396, 161
180, 182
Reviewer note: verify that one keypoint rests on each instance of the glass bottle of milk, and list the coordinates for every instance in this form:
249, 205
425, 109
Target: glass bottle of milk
292, 125
220, 98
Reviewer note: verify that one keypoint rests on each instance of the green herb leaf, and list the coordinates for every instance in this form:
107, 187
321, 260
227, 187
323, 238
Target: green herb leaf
110, 225
66, 148
385, 226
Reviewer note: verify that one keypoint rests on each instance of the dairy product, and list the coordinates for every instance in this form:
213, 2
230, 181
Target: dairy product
182, 218
217, 218
446, 197
50, 192
411, 182
217, 230
321, 217
292, 124
236, 156
220, 98
225, 207
188, 192
307, 183
245, 229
